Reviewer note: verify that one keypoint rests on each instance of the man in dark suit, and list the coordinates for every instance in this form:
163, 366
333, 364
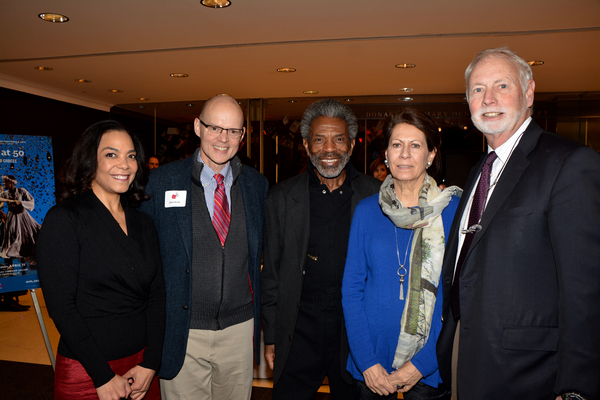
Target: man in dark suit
307, 227
522, 294
209, 212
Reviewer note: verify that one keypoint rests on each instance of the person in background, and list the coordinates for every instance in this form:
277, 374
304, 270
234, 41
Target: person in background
153, 162
100, 270
307, 225
378, 169
392, 306
209, 211
521, 276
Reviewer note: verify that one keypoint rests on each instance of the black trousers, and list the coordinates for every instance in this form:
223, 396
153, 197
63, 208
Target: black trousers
420, 391
314, 354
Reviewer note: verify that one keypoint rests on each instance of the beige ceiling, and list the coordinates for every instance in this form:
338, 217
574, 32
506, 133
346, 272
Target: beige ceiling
339, 47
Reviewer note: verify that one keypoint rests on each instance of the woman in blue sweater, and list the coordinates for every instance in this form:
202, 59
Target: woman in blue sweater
392, 307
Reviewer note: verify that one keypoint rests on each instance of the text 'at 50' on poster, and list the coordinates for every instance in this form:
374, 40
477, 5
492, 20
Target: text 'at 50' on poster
26, 195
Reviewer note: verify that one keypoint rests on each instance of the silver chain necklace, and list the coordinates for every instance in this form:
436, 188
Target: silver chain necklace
401, 270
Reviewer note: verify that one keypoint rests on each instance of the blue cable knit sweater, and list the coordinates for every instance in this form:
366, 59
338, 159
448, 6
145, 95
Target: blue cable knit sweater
371, 293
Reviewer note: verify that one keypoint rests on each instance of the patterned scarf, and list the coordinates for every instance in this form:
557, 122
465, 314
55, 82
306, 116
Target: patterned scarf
426, 256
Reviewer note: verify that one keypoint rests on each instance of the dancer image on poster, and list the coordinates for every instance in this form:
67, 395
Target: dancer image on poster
20, 228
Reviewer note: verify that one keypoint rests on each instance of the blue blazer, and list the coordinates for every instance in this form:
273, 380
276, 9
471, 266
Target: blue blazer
174, 225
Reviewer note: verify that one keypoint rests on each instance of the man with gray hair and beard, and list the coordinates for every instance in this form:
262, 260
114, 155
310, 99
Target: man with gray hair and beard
307, 224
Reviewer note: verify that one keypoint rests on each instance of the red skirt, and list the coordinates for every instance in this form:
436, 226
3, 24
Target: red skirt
71, 381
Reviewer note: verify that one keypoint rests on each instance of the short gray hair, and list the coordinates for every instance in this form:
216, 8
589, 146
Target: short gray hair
525, 74
332, 109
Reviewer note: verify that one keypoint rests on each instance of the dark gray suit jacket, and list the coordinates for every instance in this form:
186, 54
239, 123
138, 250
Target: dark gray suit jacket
286, 248
174, 227
530, 285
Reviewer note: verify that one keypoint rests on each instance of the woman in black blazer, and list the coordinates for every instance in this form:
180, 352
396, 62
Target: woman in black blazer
101, 274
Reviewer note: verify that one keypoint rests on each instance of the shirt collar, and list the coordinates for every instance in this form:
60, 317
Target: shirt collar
505, 150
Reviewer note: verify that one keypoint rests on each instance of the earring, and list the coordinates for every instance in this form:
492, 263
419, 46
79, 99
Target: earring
428, 164
385, 161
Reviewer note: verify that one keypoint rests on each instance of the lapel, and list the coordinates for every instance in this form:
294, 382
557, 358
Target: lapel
249, 196
300, 214
183, 181
516, 166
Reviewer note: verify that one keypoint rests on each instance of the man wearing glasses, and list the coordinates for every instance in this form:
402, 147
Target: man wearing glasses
209, 213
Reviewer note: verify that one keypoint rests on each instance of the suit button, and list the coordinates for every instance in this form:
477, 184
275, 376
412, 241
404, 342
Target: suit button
185, 307
442, 318
187, 271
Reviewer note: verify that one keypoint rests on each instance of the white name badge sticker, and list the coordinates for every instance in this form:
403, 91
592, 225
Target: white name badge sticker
175, 198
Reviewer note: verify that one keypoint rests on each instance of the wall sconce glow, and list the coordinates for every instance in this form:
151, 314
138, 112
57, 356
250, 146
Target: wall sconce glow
535, 63
43, 68
215, 3
405, 66
179, 75
115, 91
82, 80
53, 17
286, 70
310, 92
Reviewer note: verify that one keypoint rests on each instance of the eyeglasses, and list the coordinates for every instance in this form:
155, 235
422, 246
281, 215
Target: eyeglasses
234, 133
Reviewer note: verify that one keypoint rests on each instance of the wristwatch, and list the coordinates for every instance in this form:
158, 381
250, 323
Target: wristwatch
572, 396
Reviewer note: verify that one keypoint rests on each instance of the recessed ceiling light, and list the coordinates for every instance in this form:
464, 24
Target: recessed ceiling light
115, 91
406, 99
285, 70
310, 92
143, 98
82, 80
535, 63
179, 75
141, 107
293, 101
53, 17
406, 65
216, 3
43, 68
406, 89
222, 94
348, 99
190, 105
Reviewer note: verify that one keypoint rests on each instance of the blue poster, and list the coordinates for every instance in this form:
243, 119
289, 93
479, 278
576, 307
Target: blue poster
26, 195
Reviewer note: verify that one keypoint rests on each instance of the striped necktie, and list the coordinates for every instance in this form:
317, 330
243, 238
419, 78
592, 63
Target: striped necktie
221, 215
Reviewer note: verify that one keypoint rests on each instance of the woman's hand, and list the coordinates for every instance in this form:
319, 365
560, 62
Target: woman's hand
405, 377
142, 378
376, 379
115, 389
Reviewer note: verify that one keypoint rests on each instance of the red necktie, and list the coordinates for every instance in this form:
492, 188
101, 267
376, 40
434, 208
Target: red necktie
477, 208
221, 215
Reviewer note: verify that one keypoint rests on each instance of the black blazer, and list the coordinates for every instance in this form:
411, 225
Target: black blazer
287, 218
530, 285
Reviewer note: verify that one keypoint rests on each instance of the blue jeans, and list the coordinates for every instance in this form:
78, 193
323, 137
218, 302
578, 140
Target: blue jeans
420, 391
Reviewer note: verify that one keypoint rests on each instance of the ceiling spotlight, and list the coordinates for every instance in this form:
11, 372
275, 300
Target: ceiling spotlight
141, 107
115, 91
179, 75
190, 105
82, 80
43, 68
310, 92
348, 99
292, 101
406, 89
223, 94
406, 99
535, 63
215, 3
53, 17
143, 98
406, 65
286, 70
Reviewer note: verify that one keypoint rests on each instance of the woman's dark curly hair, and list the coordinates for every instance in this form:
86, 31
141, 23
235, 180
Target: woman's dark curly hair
80, 169
423, 123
